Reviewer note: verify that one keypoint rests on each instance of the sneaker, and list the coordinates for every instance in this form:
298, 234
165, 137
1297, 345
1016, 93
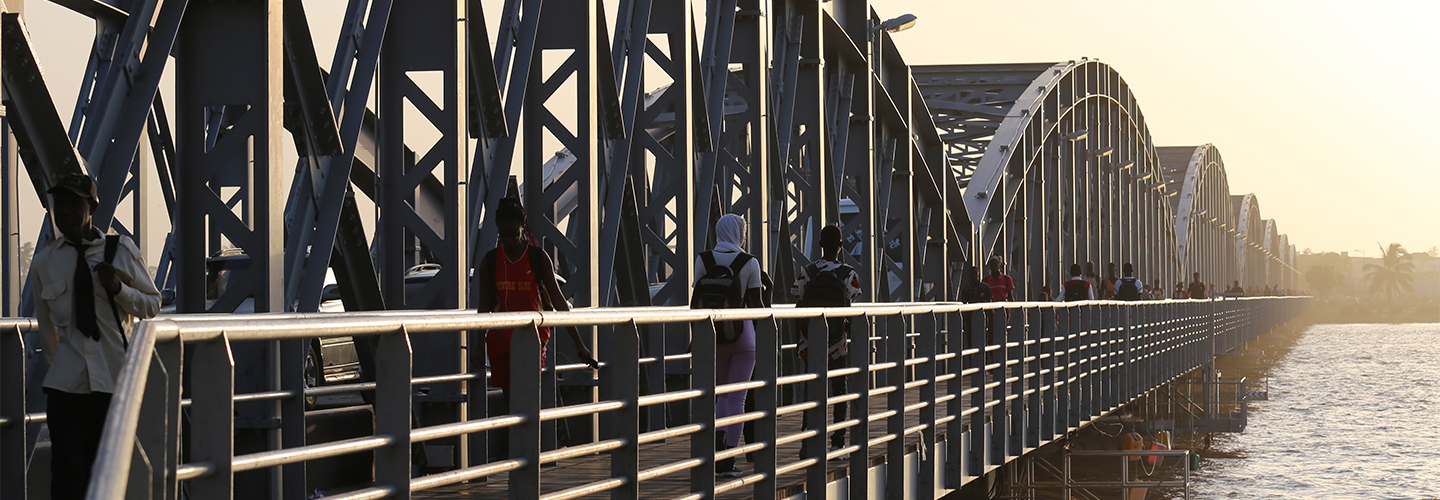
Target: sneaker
841, 457
726, 468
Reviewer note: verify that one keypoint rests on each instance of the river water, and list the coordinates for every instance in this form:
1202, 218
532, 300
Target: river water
1354, 413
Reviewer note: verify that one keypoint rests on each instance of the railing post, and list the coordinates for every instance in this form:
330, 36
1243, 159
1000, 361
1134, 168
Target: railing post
1035, 407
767, 341
979, 435
171, 356
292, 414
955, 430
926, 371
12, 408
999, 417
212, 416
620, 381
393, 404
149, 456
702, 408
477, 398
818, 391
896, 352
1050, 402
1015, 351
859, 384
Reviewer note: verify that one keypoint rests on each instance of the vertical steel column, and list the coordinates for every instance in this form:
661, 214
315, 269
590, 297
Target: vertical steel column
424, 45
10, 285
742, 149
228, 120
667, 206
423, 37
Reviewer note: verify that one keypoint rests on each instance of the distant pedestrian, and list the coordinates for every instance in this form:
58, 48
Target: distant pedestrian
1045, 294
1094, 279
1077, 288
727, 275
1197, 288
1236, 290
1111, 278
829, 282
1000, 283
518, 276
974, 291
1128, 287
90, 289
1180, 292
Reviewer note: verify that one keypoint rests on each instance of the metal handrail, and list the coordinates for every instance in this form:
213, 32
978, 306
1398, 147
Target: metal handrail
113, 461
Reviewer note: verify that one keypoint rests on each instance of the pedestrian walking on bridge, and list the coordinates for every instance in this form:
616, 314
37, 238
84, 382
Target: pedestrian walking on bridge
91, 288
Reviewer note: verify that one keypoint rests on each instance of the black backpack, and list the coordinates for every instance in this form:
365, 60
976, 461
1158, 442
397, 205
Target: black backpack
826, 288
1127, 289
720, 288
1075, 293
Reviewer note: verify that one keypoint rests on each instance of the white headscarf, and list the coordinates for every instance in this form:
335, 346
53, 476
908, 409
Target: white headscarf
730, 233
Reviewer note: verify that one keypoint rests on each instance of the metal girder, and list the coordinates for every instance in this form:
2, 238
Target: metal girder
130, 62
40, 138
1203, 219
1070, 167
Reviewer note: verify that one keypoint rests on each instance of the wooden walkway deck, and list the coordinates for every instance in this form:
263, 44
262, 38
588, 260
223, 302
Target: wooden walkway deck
571, 473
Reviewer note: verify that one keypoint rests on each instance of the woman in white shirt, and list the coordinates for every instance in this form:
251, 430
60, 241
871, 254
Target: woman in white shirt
734, 361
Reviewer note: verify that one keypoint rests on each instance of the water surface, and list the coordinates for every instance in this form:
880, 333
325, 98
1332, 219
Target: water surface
1354, 413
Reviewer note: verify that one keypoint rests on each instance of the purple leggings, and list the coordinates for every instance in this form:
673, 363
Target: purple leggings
734, 362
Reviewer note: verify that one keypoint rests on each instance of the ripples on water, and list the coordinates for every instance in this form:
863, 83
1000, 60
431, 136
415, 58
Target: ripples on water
1354, 413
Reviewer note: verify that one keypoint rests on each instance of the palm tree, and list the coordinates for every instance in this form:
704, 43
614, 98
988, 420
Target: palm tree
1393, 273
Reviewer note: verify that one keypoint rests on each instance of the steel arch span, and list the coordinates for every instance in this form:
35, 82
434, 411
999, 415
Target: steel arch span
1204, 223
1058, 165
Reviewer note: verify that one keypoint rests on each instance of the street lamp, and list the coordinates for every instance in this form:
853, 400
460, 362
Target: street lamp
896, 25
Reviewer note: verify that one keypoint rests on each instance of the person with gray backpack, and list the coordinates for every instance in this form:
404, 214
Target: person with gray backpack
729, 278
828, 282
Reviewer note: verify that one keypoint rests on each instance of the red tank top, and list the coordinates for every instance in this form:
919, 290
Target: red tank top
515, 287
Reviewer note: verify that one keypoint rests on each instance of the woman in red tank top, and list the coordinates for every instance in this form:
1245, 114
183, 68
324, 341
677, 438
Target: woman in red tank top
510, 282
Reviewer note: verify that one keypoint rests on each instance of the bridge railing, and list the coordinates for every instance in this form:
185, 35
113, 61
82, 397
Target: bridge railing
1049, 368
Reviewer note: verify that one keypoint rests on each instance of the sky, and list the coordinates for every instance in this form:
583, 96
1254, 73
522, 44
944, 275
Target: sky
1325, 110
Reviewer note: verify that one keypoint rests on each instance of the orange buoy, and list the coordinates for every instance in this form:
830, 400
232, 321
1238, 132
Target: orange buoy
1131, 442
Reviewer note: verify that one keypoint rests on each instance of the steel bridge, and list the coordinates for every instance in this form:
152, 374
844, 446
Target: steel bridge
627, 128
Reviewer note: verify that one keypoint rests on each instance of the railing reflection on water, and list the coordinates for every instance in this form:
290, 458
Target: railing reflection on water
1052, 368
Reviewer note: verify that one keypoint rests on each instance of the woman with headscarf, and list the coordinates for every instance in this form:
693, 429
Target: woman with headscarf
734, 361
